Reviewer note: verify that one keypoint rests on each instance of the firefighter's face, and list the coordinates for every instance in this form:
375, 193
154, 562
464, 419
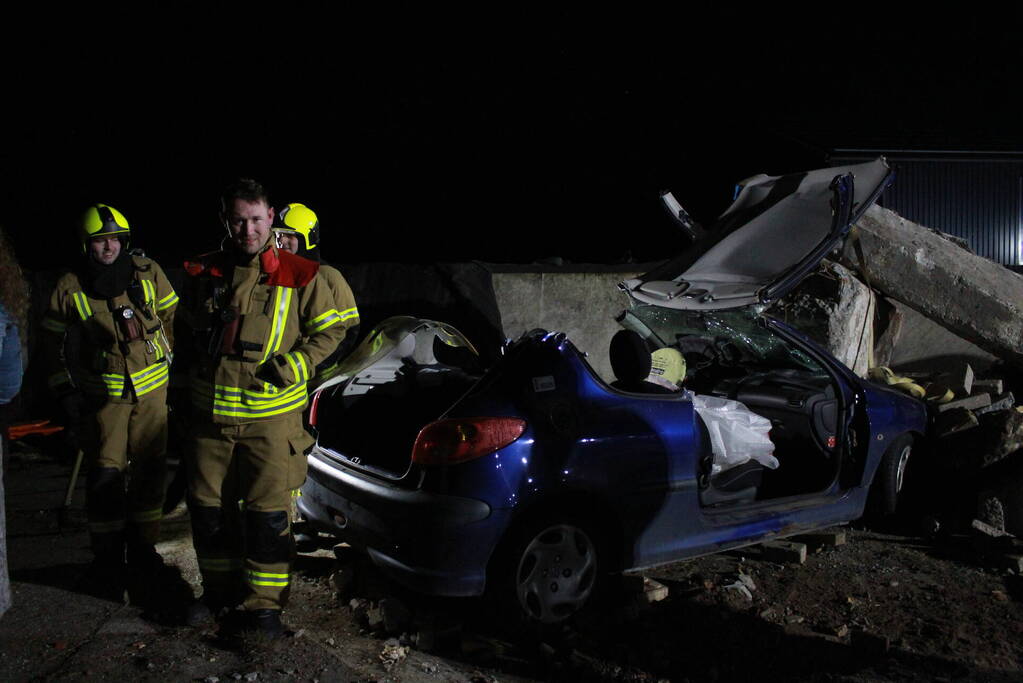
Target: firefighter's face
104, 250
249, 225
288, 241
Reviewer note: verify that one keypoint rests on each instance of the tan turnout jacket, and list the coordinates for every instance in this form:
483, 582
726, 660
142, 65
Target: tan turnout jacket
107, 362
259, 330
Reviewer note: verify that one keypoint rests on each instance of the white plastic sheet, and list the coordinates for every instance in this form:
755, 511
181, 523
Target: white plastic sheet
737, 434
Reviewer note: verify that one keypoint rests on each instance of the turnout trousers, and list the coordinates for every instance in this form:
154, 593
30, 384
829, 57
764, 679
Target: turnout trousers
241, 478
125, 445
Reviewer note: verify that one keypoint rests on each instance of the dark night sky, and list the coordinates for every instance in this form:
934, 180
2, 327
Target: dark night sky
465, 136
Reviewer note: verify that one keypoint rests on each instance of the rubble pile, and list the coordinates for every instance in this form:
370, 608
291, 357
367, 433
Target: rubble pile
916, 310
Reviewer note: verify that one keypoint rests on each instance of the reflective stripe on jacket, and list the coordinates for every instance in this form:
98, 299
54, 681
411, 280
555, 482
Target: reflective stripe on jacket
272, 318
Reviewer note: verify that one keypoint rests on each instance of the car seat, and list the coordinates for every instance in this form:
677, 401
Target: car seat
631, 363
735, 484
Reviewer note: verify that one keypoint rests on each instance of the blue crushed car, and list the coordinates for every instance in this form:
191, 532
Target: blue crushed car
534, 479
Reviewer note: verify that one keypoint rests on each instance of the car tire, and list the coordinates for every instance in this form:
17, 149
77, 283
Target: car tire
890, 479
551, 570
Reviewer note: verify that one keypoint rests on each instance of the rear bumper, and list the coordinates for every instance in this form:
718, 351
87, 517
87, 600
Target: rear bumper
435, 544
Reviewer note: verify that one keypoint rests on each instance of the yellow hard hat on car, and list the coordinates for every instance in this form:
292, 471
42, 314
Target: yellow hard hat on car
100, 220
299, 219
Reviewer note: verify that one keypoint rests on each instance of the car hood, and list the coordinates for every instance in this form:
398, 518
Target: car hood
775, 232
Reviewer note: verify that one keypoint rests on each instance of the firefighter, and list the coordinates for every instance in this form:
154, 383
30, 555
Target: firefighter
298, 231
261, 319
119, 309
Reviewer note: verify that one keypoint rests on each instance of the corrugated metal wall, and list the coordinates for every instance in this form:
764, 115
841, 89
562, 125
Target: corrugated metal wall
978, 200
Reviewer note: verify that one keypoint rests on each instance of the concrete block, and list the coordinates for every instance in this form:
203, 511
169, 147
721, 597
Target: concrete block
822, 539
960, 379
784, 552
969, 403
979, 528
836, 310
990, 542
990, 386
644, 590
973, 297
653, 591
999, 403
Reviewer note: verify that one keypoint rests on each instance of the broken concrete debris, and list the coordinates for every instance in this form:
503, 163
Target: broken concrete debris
919, 312
1003, 402
968, 294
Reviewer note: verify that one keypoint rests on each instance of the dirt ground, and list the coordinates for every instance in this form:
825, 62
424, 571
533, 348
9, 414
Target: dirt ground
881, 607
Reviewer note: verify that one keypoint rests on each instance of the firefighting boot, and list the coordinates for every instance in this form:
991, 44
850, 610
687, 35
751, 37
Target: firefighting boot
267, 622
107, 575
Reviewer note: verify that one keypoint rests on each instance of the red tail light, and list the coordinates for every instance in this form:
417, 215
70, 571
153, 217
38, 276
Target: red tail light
454, 441
313, 409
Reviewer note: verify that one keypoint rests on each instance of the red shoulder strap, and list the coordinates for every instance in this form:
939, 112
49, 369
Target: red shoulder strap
287, 270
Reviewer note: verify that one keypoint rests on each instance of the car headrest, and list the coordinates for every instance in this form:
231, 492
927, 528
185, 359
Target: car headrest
630, 356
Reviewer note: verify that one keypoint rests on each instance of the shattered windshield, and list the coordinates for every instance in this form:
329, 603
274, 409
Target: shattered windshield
738, 336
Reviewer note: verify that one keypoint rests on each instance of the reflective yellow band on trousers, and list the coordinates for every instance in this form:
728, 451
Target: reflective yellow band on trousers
266, 579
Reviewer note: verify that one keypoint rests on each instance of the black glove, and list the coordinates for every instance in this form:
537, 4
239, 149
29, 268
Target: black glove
272, 371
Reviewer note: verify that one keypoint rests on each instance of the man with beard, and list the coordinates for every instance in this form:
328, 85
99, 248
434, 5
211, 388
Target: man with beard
123, 308
260, 320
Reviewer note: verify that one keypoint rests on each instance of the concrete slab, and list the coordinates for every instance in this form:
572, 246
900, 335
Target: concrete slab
924, 345
974, 298
836, 310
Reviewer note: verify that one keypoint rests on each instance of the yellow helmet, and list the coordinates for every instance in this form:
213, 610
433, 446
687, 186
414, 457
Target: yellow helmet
101, 220
299, 219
